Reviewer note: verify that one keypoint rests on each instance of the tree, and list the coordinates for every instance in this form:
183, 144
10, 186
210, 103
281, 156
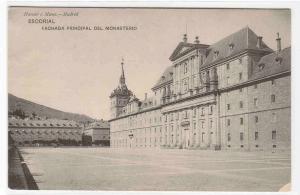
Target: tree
20, 113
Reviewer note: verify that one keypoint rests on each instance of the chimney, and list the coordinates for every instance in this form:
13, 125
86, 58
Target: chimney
145, 96
185, 38
278, 40
197, 40
259, 42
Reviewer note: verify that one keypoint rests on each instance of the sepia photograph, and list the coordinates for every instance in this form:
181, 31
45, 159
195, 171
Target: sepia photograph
149, 99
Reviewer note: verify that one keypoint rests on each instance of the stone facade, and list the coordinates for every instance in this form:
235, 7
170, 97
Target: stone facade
234, 94
50, 131
99, 132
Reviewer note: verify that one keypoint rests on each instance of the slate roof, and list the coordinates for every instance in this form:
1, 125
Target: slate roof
241, 40
98, 125
271, 64
165, 77
42, 123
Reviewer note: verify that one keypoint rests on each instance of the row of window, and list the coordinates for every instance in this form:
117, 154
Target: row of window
185, 114
274, 119
256, 136
255, 102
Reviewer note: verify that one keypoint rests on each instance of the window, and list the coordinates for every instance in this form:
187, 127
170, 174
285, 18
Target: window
274, 117
211, 123
228, 122
241, 90
261, 66
228, 137
177, 116
185, 68
194, 125
185, 114
274, 135
166, 118
255, 101
211, 109
202, 124
241, 104
216, 54
227, 80
195, 112
228, 106
240, 76
256, 119
202, 136
255, 86
227, 66
231, 45
241, 121
202, 111
241, 136
171, 116
256, 135
272, 98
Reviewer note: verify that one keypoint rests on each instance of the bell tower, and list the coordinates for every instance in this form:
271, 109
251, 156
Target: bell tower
120, 96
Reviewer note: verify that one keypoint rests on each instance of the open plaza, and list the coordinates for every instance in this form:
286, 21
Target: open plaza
158, 169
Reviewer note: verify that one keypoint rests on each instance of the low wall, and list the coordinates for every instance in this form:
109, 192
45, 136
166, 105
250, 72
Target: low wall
19, 176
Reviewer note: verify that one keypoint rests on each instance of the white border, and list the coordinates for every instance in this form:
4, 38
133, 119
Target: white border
294, 6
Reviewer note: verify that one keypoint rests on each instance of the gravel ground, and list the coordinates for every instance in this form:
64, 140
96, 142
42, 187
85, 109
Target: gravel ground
138, 169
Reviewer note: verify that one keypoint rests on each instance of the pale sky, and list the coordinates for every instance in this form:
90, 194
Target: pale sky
75, 71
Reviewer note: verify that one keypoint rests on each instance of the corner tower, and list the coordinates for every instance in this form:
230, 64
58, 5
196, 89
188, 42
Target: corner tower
120, 96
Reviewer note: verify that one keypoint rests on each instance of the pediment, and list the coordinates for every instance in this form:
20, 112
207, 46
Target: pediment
180, 49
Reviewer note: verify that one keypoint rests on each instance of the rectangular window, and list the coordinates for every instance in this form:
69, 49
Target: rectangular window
241, 121
241, 89
211, 109
240, 75
228, 122
166, 118
241, 104
202, 124
228, 137
255, 86
195, 112
227, 66
202, 111
256, 119
272, 98
202, 136
241, 136
256, 135
255, 101
274, 135
194, 125
228, 106
177, 116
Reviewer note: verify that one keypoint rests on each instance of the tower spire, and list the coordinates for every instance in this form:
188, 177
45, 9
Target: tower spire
122, 78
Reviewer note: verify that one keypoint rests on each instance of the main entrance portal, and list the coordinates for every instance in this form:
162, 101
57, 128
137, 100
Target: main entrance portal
187, 137
186, 134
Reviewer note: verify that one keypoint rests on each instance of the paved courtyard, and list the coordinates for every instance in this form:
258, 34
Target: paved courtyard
190, 170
